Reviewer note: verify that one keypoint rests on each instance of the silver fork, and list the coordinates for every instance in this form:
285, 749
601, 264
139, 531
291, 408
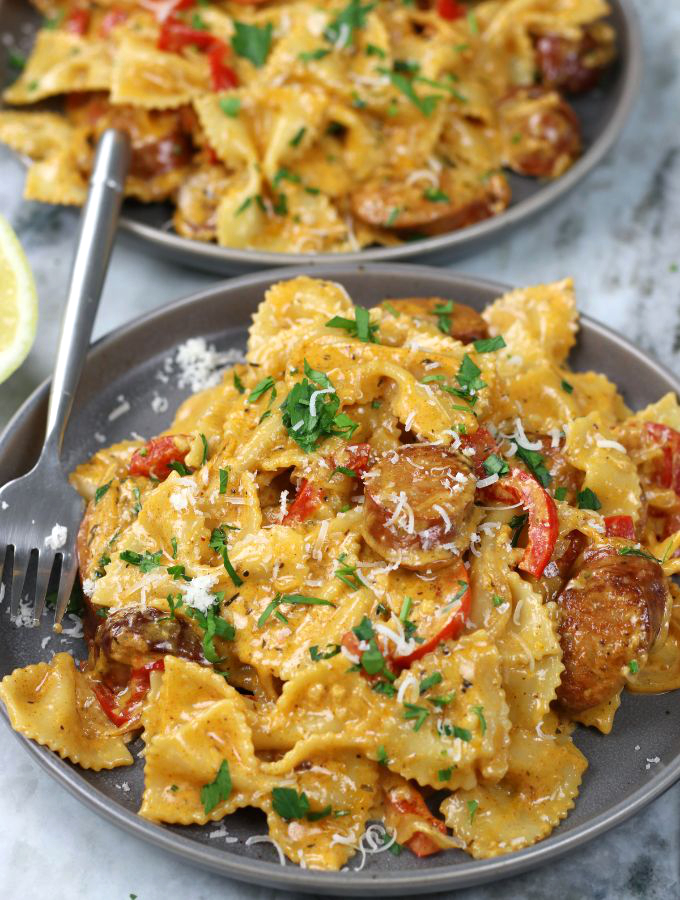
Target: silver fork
31, 507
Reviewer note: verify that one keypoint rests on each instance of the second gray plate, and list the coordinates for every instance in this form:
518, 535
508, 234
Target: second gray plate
128, 367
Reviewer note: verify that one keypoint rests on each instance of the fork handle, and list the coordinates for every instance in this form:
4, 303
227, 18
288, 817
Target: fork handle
98, 225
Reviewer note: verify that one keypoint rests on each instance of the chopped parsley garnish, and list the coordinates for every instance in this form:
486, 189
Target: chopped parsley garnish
443, 313
479, 712
636, 551
497, 601
313, 55
560, 493
350, 473
173, 544
469, 377
393, 216
174, 604
569, 388
230, 106
348, 575
290, 805
310, 411
267, 384
16, 60
472, 806
204, 441
373, 50
360, 326
293, 600
330, 651
384, 687
425, 104
218, 543
445, 774
101, 491
364, 630
488, 345
218, 790
198, 23
430, 681
588, 499
418, 713
137, 505
238, 384
297, 137
252, 42
633, 667
462, 733
391, 309
146, 562
76, 602
434, 195
224, 480
517, 523
178, 572
341, 30
536, 465
494, 465
442, 700
382, 756
213, 626
179, 467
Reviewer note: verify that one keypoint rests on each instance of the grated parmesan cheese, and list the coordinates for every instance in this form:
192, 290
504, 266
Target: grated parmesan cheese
197, 592
57, 538
609, 445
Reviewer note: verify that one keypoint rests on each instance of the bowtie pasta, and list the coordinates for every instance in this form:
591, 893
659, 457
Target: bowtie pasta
394, 552
290, 127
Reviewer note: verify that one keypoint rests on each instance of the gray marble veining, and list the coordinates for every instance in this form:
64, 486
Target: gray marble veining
619, 236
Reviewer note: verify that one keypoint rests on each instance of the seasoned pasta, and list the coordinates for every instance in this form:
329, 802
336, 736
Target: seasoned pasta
392, 553
282, 125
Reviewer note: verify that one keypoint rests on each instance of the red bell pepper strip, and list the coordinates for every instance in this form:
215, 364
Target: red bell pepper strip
447, 623
223, 76
140, 679
306, 501
543, 524
155, 456
175, 35
412, 804
77, 21
669, 439
619, 526
450, 10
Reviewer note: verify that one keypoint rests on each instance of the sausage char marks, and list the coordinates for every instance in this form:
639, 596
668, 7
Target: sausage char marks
419, 500
610, 613
462, 322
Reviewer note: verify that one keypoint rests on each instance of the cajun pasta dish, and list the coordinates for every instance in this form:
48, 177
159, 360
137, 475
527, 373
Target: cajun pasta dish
299, 127
377, 574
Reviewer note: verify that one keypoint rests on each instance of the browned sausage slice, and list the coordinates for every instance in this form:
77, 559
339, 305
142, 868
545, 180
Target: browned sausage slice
389, 202
610, 613
417, 500
541, 133
462, 322
572, 65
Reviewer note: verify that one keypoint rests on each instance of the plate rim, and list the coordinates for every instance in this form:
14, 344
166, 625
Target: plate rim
257, 871
207, 254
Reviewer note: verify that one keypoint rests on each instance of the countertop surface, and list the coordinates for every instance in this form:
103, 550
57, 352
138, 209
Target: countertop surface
618, 234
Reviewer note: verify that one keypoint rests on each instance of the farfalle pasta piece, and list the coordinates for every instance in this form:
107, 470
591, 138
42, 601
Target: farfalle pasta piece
52, 703
62, 62
539, 789
145, 76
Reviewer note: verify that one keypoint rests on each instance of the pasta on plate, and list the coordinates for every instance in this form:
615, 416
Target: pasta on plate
299, 127
375, 575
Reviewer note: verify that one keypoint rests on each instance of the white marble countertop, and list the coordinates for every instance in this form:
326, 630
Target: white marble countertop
619, 235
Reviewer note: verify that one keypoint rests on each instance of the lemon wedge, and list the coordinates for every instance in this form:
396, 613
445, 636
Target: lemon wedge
18, 302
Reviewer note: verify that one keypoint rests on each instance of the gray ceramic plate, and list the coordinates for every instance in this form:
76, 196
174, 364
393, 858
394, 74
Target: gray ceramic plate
125, 365
602, 113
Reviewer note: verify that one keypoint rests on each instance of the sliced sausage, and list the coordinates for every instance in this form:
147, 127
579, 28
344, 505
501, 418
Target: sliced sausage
389, 202
541, 133
571, 65
417, 500
564, 474
610, 613
463, 322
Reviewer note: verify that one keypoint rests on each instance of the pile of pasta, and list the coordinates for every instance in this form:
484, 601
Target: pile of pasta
283, 126
331, 590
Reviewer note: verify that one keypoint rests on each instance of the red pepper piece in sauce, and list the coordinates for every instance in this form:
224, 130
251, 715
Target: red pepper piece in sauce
175, 35
306, 501
619, 526
155, 458
543, 524
669, 439
450, 10
140, 680
77, 21
222, 75
483, 444
412, 804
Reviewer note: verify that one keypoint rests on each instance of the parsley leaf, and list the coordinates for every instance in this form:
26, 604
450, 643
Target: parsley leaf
419, 713
636, 551
468, 376
252, 42
494, 465
146, 562
267, 384
293, 599
430, 681
230, 106
479, 712
218, 790
568, 388
536, 465
364, 630
310, 417
313, 55
101, 491
218, 543
359, 327
434, 195
381, 756
289, 804
588, 499
204, 441
224, 480
517, 523
633, 667
213, 626
425, 104
297, 137
331, 651
488, 345
560, 493
472, 809
443, 313
341, 30
348, 575
445, 774
178, 572
238, 384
